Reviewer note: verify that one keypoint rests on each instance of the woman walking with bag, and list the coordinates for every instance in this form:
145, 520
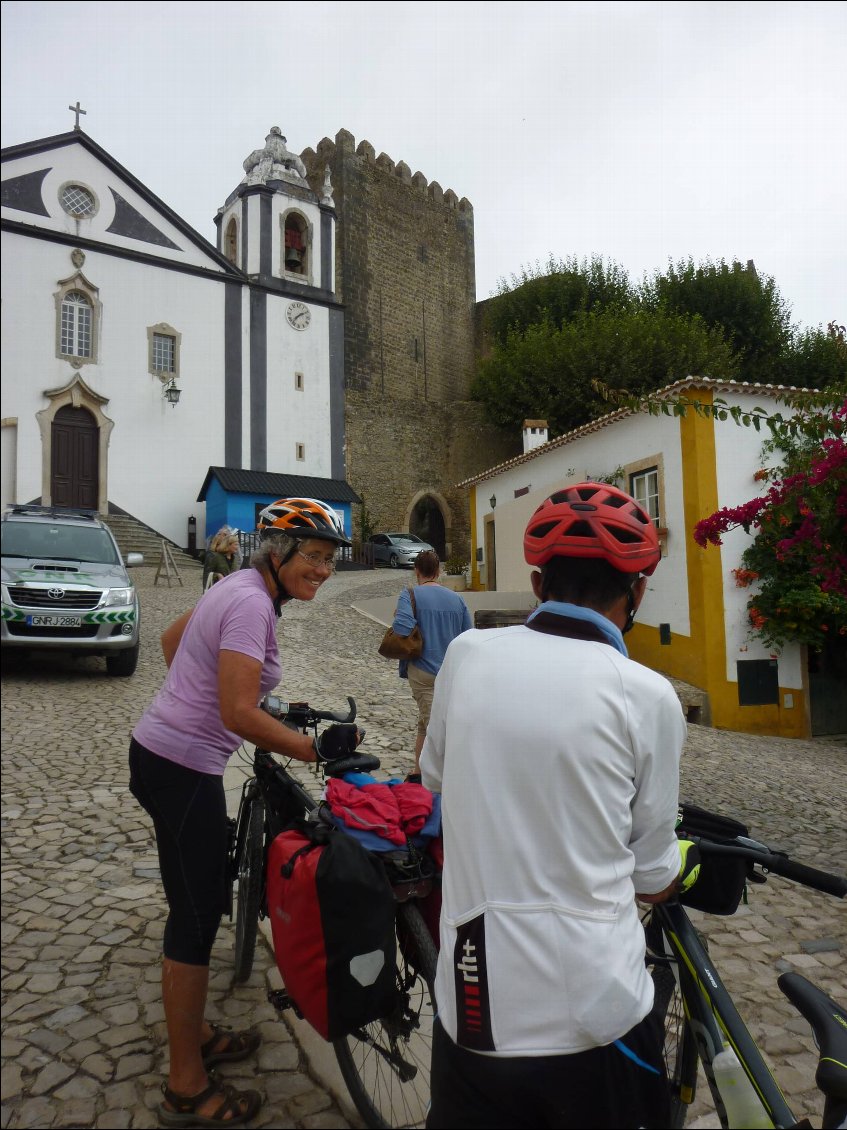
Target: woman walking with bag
441, 615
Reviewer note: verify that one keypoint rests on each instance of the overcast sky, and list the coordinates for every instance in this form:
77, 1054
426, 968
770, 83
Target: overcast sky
639, 132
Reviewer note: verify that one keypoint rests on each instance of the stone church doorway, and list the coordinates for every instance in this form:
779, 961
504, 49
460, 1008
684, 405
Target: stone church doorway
427, 521
74, 459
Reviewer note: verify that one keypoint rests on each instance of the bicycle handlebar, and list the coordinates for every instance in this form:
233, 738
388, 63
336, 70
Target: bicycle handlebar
775, 862
301, 714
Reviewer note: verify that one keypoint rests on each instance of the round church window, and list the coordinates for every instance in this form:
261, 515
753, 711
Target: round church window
77, 201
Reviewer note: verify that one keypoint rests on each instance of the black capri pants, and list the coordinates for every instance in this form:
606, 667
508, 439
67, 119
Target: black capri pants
188, 809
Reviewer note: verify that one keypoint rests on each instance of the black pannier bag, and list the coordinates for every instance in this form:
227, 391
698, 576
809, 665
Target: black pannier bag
722, 880
332, 915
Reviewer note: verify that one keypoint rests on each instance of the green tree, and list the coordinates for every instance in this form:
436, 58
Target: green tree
549, 371
562, 290
748, 307
817, 358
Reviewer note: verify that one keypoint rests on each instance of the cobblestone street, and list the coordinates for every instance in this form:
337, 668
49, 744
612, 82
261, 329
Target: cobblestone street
83, 1033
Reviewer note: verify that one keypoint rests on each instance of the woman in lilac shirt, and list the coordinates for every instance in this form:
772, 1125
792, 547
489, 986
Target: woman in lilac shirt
222, 657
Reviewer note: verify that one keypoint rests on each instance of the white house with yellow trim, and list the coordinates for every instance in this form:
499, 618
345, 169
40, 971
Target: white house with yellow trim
693, 623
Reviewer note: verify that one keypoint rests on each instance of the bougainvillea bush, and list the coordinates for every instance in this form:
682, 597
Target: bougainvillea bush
796, 566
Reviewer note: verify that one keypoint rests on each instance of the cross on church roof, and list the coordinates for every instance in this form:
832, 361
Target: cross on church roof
77, 110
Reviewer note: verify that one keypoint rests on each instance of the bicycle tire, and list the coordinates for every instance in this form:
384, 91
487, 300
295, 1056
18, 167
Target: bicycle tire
386, 1065
679, 1046
248, 877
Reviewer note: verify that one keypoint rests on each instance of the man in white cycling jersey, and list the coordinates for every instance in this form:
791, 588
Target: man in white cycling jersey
557, 758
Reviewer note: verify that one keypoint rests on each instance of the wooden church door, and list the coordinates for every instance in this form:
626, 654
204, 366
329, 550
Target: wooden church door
74, 465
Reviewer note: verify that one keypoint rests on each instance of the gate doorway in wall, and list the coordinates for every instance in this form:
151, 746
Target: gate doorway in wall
427, 522
74, 459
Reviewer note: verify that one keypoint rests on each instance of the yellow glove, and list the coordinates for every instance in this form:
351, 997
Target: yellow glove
689, 870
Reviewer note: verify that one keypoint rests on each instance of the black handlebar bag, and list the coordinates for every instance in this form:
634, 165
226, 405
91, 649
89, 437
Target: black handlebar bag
332, 915
722, 879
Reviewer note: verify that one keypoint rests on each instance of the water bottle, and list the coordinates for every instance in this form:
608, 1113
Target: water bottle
744, 1110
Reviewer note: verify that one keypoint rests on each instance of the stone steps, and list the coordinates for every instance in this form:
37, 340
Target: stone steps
133, 536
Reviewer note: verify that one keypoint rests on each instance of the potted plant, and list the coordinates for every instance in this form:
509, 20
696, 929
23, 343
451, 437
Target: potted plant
455, 573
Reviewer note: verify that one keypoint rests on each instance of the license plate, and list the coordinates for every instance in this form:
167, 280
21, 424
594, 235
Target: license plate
54, 621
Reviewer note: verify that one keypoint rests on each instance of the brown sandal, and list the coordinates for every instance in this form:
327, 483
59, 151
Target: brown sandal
228, 1046
235, 1108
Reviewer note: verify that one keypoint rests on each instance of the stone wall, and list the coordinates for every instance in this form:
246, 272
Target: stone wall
405, 273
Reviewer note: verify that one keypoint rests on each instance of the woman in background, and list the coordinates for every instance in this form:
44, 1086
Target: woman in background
441, 615
221, 557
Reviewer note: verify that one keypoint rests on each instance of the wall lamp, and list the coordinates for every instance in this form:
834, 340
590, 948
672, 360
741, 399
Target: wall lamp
171, 393
493, 501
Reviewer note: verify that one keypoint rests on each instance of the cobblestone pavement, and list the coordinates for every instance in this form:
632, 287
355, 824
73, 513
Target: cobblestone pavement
83, 1032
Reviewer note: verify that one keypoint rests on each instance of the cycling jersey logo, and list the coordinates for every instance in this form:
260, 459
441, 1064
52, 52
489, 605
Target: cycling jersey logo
473, 1010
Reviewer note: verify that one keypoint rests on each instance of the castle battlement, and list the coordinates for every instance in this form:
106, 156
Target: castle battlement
346, 142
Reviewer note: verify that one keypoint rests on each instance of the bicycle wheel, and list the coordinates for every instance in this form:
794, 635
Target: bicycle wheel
680, 1049
249, 865
386, 1064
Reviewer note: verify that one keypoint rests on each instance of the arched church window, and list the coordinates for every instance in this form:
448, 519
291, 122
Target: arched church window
296, 245
78, 311
76, 337
231, 241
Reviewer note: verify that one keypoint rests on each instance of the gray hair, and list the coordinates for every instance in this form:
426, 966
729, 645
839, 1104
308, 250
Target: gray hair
273, 541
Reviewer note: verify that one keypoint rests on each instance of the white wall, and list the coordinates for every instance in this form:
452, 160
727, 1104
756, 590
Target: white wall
738, 452
599, 452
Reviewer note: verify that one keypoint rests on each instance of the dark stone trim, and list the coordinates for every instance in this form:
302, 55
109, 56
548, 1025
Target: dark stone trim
245, 231
327, 273
258, 380
128, 221
232, 375
146, 257
265, 237
23, 193
338, 469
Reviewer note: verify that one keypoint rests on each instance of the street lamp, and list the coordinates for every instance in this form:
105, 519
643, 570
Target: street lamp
171, 393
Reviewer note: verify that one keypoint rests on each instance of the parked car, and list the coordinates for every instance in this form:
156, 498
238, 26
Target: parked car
397, 549
65, 587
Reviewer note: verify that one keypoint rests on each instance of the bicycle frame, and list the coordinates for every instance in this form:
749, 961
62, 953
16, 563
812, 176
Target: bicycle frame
712, 1016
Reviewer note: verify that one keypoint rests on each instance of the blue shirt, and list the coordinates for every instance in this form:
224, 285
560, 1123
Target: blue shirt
577, 612
441, 616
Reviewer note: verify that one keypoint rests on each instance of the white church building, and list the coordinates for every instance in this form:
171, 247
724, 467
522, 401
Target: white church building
137, 355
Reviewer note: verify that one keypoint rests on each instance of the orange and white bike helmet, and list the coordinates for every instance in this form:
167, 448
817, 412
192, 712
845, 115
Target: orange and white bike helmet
593, 520
302, 518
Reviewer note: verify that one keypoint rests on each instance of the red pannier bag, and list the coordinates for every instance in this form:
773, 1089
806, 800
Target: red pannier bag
332, 915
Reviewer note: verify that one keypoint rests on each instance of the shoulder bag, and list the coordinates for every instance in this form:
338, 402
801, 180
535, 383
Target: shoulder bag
403, 647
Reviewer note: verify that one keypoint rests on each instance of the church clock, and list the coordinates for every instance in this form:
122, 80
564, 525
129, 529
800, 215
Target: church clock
299, 315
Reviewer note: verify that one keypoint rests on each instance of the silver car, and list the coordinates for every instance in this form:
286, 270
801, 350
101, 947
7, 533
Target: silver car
65, 587
397, 549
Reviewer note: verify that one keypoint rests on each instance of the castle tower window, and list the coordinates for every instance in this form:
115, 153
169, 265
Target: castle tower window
296, 245
231, 241
77, 321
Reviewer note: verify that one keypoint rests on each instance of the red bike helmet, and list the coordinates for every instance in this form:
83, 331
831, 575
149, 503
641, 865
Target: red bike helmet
303, 518
593, 520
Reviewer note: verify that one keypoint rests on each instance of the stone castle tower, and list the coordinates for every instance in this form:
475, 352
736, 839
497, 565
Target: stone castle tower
405, 275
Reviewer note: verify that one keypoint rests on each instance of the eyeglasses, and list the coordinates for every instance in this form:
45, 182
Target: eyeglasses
316, 560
